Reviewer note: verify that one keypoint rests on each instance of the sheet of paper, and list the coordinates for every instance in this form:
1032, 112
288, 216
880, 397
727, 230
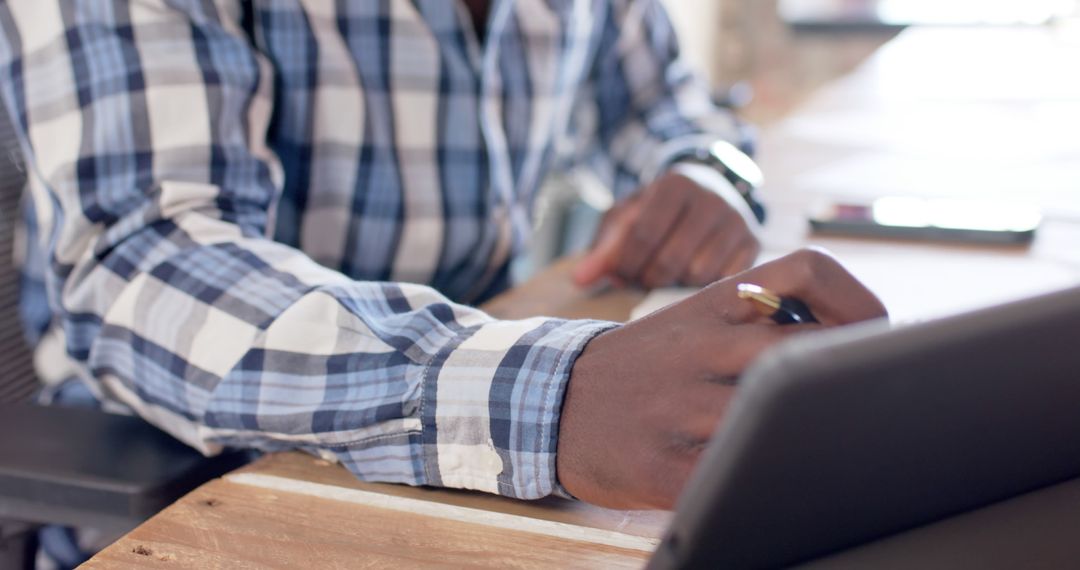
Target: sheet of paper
918, 286
659, 298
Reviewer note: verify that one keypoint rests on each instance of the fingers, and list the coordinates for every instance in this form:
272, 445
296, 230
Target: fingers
728, 251
674, 231
598, 262
813, 276
673, 258
747, 251
662, 208
834, 294
644, 398
602, 259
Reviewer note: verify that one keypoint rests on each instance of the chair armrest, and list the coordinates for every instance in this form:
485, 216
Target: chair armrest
85, 467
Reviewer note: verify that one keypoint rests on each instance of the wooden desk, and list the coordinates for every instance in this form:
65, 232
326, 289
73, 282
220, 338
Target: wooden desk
296, 511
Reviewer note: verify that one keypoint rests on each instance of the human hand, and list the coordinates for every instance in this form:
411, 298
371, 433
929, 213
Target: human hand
686, 227
644, 399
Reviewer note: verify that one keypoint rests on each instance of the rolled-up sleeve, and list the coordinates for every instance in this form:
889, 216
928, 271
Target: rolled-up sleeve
144, 127
647, 103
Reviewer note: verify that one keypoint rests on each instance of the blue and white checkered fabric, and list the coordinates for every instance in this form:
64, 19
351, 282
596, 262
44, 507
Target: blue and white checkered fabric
249, 219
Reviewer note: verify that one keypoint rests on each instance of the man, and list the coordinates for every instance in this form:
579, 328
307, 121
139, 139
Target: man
253, 217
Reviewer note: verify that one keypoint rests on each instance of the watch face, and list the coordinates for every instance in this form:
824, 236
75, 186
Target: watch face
737, 162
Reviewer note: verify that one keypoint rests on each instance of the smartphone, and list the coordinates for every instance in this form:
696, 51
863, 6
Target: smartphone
931, 219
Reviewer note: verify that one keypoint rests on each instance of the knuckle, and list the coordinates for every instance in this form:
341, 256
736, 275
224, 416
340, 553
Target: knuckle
641, 236
699, 273
816, 263
665, 265
685, 243
719, 215
722, 230
695, 273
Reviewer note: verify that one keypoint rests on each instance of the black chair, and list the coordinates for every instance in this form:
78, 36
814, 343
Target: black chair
71, 466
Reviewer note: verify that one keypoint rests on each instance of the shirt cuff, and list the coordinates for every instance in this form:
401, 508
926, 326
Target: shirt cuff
661, 159
491, 404
708, 178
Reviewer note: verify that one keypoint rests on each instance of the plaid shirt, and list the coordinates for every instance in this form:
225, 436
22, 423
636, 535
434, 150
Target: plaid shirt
250, 220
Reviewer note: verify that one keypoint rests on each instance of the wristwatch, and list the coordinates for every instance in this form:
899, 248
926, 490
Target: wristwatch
735, 166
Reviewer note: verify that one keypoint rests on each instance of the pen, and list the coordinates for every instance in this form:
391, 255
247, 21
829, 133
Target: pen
782, 310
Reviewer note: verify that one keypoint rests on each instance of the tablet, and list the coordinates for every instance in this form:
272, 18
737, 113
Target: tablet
848, 436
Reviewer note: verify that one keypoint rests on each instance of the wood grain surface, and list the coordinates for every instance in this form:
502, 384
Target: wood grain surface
551, 293
303, 467
227, 525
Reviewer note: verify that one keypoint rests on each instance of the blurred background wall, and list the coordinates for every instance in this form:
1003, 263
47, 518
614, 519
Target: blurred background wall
748, 44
